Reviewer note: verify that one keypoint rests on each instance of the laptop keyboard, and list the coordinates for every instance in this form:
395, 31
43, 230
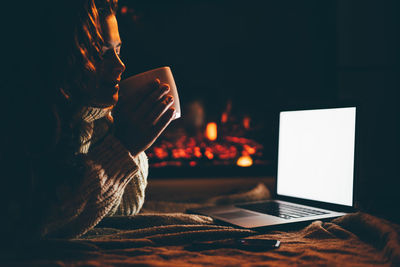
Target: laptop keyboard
281, 210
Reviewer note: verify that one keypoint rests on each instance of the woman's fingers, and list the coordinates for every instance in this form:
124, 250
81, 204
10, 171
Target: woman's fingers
161, 89
163, 122
159, 109
148, 104
165, 89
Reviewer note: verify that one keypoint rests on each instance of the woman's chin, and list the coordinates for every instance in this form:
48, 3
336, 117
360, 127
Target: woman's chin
106, 102
115, 98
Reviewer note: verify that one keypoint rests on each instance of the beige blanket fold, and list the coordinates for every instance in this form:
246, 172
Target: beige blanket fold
159, 235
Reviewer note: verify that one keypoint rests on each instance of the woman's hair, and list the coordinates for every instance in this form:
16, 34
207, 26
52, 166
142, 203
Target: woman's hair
59, 45
71, 40
77, 34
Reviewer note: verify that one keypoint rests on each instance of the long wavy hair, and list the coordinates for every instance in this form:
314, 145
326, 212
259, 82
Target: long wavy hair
78, 36
69, 64
50, 70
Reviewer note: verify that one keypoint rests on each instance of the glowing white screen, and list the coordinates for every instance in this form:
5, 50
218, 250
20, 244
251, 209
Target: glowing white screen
316, 154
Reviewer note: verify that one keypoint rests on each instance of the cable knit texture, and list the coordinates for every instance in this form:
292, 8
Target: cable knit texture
114, 181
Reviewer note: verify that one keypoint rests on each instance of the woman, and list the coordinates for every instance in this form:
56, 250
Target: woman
78, 164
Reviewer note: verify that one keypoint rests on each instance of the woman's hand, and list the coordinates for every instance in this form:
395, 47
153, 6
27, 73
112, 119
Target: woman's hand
139, 127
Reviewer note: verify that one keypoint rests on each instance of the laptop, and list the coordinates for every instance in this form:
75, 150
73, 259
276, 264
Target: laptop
315, 172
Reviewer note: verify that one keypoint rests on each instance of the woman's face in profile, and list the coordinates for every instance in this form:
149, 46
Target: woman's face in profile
109, 70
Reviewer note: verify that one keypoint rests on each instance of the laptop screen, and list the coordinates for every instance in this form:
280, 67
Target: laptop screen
316, 154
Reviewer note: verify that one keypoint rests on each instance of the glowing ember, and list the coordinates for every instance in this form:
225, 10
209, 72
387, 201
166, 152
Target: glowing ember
211, 131
227, 144
208, 153
197, 152
124, 10
246, 122
178, 153
160, 153
249, 149
224, 117
244, 161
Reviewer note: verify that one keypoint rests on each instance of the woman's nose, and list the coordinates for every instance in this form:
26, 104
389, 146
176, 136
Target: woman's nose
118, 65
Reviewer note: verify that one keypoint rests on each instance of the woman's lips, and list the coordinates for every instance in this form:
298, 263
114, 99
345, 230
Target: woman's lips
110, 86
116, 87
113, 86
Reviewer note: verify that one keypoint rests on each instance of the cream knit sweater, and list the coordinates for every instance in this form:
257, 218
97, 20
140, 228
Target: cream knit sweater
113, 184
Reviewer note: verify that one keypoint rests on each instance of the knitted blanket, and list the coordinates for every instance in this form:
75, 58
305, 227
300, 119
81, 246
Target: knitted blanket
159, 236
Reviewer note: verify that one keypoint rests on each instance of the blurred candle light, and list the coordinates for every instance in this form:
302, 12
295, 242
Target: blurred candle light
211, 131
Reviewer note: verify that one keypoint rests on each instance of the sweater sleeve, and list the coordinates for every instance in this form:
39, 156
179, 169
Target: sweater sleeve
132, 199
110, 168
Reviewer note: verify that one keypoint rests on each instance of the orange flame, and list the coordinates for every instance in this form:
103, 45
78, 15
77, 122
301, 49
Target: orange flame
197, 152
160, 153
244, 161
211, 131
249, 149
209, 154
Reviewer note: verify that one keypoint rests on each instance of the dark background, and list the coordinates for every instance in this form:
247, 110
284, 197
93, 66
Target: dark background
264, 55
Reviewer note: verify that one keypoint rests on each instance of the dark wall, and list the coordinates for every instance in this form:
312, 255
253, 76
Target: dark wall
368, 52
254, 52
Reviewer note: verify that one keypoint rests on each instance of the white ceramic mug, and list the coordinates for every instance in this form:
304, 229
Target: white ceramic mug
136, 87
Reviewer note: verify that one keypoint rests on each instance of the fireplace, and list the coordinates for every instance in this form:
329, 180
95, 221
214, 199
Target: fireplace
235, 64
196, 146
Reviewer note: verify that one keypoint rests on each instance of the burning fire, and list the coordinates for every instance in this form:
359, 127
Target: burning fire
211, 131
223, 144
244, 161
194, 151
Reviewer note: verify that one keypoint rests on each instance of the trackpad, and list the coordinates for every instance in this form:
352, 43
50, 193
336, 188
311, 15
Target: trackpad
236, 214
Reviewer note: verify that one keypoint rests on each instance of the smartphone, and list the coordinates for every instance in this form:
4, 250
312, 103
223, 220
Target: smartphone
240, 243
